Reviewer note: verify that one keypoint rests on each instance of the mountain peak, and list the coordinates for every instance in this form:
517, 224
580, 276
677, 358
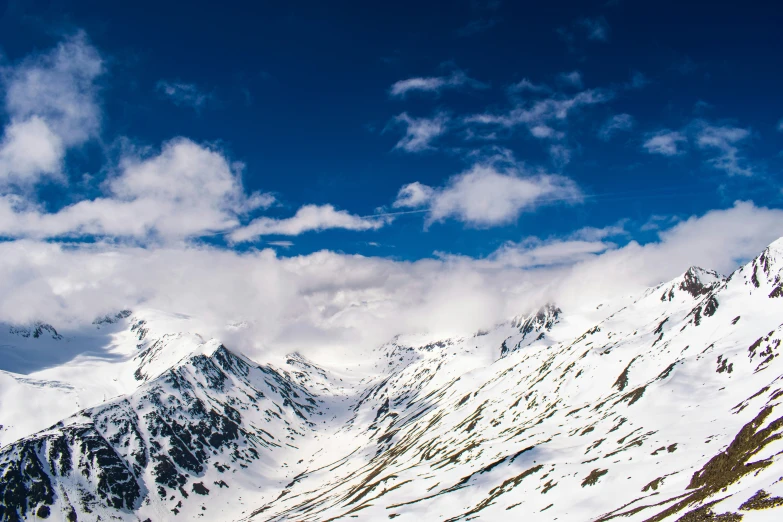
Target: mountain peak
534, 326
765, 271
695, 282
699, 281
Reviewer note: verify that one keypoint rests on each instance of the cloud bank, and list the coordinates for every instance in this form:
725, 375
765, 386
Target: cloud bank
327, 301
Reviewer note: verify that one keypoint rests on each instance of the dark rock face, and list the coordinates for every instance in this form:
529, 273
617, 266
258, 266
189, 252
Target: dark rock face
695, 282
692, 282
112, 318
32, 467
190, 418
35, 331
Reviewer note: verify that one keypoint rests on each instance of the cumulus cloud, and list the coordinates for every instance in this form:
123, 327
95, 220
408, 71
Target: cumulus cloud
29, 150
308, 218
485, 196
186, 190
665, 142
723, 140
617, 123
184, 94
414, 195
420, 132
52, 103
433, 84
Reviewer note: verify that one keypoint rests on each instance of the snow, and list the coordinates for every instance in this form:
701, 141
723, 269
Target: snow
588, 414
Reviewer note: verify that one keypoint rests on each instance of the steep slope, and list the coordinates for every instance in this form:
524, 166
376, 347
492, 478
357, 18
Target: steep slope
666, 405
208, 425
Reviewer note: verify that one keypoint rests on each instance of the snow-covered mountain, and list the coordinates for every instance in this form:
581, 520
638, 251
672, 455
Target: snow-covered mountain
659, 406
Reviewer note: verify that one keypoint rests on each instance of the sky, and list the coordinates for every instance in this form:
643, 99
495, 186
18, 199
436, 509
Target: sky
469, 160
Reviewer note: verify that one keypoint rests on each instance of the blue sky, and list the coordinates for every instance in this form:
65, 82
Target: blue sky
398, 130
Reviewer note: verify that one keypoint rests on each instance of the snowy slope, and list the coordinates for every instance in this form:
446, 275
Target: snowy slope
664, 406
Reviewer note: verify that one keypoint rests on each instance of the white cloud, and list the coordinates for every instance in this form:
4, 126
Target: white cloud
433, 84
350, 303
184, 94
52, 101
560, 154
281, 244
30, 150
780, 125
571, 79
595, 28
718, 240
533, 252
485, 196
665, 142
420, 132
596, 234
541, 111
526, 85
186, 190
724, 140
308, 218
413, 195
545, 132
721, 143
615, 124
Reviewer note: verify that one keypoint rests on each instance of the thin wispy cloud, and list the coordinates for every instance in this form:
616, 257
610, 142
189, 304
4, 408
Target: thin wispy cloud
560, 154
578, 246
723, 141
419, 132
596, 29
526, 85
542, 111
281, 244
184, 94
615, 124
434, 84
719, 143
665, 142
638, 81
570, 79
